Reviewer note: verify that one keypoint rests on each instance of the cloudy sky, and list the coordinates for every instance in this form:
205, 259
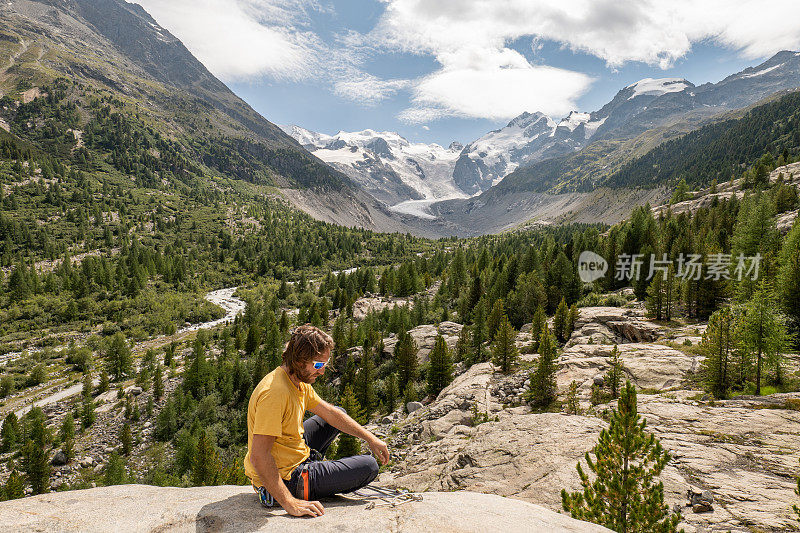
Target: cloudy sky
443, 70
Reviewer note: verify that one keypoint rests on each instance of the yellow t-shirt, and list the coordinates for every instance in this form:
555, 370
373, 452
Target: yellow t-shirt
276, 408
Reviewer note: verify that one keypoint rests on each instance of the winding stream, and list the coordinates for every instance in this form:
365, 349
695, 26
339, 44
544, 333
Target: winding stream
221, 297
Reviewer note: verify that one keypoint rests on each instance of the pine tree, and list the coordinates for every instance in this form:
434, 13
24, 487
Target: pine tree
495, 317
655, 297
560, 321
118, 357
479, 334
543, 380
34, 452
348, 444
505, 353
405, 354
365, 383
573, 405
463, 345
9, 433
764, 331
718, 343
440, 371
114, 472
788, 285
613, 377
125, 439
103, 385
537, 325
206, 463
571, 320
623, 495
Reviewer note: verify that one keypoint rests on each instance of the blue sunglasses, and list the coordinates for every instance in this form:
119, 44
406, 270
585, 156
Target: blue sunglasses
319, 364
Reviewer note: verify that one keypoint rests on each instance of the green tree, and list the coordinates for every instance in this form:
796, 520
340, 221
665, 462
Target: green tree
537, 325
6, 386
405, 355
348, 444
543, 379
504, 350
34, 452
365, 383
681, 192
613, 377
718, 343
623, 496
560, 321
440, 371
573, 405
206, 463
495, 317
764, 331
9, 433
114, 472
125, 439
796, 508
15, 485
118, 357
479, 334
463, 345
788, 284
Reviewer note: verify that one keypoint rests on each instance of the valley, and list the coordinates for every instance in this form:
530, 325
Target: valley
160, 240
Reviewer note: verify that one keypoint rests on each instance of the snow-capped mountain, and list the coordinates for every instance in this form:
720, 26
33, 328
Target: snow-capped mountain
528, 138
409, 176
387, 165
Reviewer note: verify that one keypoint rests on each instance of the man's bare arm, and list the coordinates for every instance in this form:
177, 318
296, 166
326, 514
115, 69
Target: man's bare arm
264, 465
343, 422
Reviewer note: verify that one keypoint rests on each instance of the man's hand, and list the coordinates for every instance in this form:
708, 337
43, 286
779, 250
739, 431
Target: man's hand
303, 508
379, 449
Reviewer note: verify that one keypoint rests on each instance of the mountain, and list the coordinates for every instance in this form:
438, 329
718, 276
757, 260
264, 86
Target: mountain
386, 165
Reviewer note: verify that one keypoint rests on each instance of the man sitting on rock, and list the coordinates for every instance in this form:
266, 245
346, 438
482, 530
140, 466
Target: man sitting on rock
284, 454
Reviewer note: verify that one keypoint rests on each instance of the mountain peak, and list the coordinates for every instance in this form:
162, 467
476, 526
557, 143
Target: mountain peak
525, 119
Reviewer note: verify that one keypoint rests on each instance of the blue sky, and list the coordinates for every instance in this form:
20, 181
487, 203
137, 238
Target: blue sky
438, 71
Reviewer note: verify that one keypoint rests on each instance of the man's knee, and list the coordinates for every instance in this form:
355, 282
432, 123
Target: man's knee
342, 409
372, 468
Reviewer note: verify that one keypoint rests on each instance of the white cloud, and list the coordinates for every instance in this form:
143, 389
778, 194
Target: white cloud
365, 88
240, 39
481, 76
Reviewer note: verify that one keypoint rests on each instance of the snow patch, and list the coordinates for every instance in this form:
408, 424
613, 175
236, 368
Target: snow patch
761, 72
657, 87
573, 120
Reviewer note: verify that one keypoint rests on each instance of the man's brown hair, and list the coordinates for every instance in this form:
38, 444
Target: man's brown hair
306, 342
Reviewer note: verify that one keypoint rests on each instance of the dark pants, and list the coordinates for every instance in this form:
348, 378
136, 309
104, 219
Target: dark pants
327, 478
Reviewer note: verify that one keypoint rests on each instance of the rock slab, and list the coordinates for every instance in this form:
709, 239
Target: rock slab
235, 508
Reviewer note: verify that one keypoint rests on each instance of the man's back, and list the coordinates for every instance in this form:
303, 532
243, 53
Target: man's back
277, 408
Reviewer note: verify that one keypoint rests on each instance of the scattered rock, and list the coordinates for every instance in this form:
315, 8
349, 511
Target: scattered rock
60, 458
425, 337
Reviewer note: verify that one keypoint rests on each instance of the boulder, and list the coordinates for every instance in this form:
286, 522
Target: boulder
59, 459
425, 337
613, 325
235, 508
413, 406
648, 366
